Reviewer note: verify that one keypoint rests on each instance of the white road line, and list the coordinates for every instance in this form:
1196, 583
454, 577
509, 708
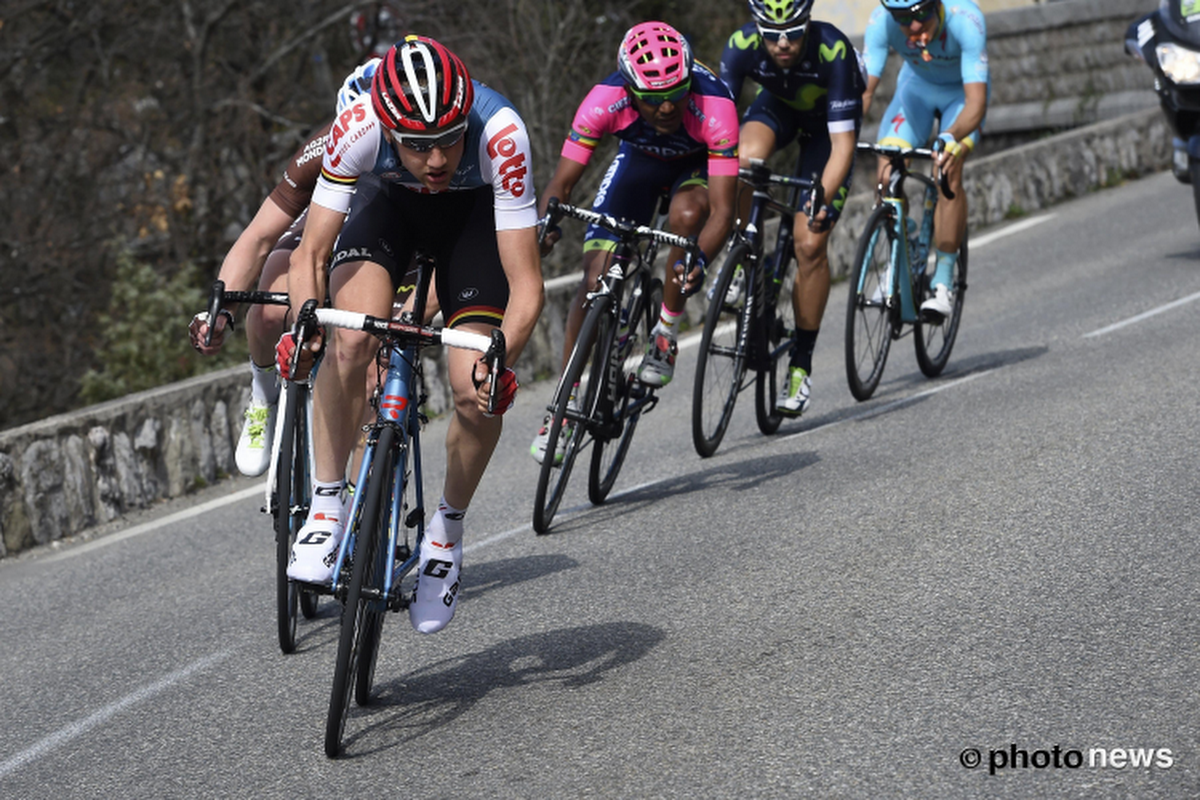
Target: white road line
146, 527
1016, 227
76, 729
1145, 315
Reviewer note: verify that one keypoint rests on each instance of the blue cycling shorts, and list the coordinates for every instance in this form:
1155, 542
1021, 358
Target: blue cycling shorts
632, 186
908, 121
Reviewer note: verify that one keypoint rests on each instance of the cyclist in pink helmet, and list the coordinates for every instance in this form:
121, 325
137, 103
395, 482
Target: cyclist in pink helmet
679, 132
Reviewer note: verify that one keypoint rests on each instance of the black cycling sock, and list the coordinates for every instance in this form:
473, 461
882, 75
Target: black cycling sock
802, 349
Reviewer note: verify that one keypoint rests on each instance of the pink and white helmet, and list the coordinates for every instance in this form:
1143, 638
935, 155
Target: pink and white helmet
653, 56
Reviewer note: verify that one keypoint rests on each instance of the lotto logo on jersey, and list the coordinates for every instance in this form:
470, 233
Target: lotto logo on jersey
513, 169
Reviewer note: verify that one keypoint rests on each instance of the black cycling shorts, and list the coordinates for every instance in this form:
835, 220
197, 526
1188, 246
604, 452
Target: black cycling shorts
388, 223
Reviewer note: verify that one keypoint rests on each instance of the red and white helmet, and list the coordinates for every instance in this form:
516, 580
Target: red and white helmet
654, 56
421, 86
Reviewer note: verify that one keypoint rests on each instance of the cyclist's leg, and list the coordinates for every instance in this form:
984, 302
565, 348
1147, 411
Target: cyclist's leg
950, 218
687, 214
264, 325
762, 129
362, 276
464, 243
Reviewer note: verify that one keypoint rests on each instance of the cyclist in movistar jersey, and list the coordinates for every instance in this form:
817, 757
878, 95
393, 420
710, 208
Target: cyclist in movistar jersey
945, 73
811, 87
260, 256
436, 161
678, 130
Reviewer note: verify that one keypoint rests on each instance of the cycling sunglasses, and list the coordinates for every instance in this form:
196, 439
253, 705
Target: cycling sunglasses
673, 95
918, 13
775, 34
423, 144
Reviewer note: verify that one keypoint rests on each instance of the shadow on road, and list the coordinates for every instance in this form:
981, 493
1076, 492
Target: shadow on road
427, 700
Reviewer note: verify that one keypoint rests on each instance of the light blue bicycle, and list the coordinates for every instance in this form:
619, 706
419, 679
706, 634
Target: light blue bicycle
889, 283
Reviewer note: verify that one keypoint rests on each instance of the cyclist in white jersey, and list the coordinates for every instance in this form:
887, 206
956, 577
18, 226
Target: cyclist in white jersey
945, 74
435, 161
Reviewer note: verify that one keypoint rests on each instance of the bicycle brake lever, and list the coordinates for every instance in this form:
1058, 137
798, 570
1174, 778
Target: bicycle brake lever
216, 299
496, 356
306, 322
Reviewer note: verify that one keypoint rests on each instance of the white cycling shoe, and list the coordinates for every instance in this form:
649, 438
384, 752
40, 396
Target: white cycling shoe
315, 550
940, 306
436, 593
253, 454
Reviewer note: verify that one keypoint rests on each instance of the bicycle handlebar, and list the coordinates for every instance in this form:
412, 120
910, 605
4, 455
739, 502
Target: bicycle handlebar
218, 298
493, 347
626, 230
898, 155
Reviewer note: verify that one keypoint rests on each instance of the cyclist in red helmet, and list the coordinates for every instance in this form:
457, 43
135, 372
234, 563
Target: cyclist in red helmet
679, 135
436, 161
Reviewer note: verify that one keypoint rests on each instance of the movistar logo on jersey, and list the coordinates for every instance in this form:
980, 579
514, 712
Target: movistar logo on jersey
807, 98
743, 42
837, 52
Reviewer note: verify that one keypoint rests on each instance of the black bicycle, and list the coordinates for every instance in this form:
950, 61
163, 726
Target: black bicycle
599, 400
750, 323
289, 481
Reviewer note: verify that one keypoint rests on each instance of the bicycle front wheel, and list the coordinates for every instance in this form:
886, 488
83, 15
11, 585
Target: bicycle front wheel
868, 321
935, 340
778, 332
291, 507
608, 454
358, 613
721, 366
569, 422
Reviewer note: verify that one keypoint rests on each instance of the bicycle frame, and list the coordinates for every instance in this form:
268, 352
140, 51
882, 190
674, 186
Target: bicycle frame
903, 271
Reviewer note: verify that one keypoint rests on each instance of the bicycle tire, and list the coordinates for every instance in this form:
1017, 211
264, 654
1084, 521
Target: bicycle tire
721, 367
291, 507
778, 318
868, 318
308, 603
608, 455
552, 478
362, 574
934, 341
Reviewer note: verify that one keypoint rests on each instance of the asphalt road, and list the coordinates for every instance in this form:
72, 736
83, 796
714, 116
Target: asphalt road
999, 564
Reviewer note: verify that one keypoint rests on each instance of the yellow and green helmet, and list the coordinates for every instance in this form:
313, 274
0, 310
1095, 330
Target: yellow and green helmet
780, 13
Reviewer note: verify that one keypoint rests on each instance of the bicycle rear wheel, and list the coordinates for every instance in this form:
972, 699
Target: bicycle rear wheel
935, 340
552, 479
358, 613
868, 321
779, 328
608, 454
721, 366
291, 500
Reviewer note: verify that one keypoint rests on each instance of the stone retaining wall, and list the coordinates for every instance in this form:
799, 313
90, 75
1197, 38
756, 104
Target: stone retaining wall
62, 475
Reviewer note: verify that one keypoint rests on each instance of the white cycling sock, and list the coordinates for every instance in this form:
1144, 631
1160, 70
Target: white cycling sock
326, 501
668, 322
446, 527
263, 384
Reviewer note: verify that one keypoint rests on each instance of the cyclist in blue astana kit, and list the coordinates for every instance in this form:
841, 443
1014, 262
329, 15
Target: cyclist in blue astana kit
945, 72
811, 87
436, 161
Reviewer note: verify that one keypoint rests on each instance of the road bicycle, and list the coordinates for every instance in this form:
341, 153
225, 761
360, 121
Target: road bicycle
599, 400
289, 479
750, 324
376, 553
889, 281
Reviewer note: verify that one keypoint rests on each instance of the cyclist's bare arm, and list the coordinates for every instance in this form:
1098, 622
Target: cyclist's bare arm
306, 275
721, 189
974, 109
872, 85
843, 146
566, 175
526, 292
244, 261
